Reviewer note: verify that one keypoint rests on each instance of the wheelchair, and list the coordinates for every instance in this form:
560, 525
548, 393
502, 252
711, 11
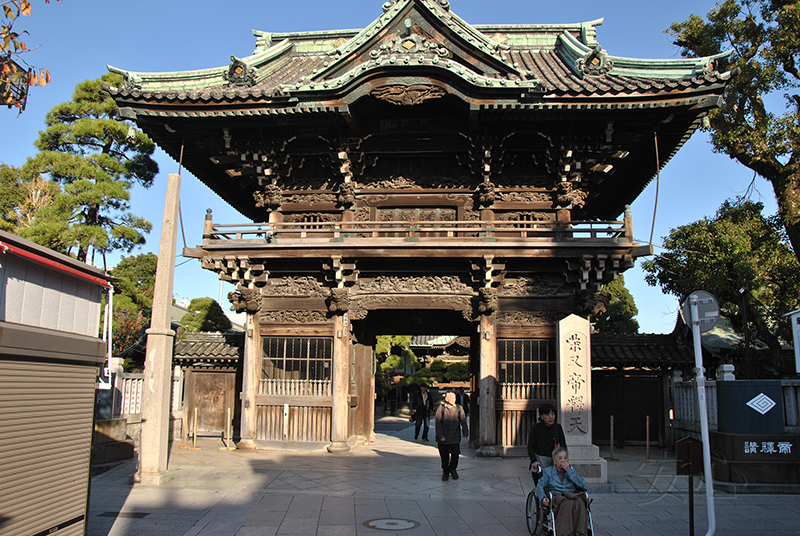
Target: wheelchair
541, 519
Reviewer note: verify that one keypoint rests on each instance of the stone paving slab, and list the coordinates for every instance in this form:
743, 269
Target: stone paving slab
240, 493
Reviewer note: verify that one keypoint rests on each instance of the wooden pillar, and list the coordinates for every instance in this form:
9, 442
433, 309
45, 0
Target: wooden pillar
157, 396
251, 375
488, 387
340, 384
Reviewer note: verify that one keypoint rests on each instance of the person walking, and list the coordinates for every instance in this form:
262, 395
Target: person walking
451, 426
421, 408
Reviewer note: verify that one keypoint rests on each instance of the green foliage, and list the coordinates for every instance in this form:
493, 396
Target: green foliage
736, 249
96, 157
457, 372
205, 314
22, 197
438, 365
764, 36
391, 364
621, 310
387, 344
137, 279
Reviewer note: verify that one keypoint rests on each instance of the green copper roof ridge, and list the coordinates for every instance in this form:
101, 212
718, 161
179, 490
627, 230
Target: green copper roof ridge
576, 53
182, 80
545, 26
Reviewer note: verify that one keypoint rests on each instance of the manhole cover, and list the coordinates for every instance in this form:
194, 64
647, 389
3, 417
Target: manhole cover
391, 524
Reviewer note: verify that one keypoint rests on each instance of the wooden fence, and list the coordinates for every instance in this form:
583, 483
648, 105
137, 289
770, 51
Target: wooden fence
131, 388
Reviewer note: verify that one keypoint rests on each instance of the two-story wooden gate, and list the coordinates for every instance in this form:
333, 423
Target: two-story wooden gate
420, 168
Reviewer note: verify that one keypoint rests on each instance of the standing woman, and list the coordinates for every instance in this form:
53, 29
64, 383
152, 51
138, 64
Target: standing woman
450, 420
546, 436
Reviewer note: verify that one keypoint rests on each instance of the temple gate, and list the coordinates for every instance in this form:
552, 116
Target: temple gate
421, 175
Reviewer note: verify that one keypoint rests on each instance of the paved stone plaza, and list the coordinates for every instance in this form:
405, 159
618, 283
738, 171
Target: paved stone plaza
394, 487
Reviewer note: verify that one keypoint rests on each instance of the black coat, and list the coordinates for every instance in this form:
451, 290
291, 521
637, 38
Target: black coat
418, 405
543, 438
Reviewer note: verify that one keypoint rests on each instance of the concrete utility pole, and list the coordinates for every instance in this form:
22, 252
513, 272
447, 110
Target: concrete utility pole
158, 361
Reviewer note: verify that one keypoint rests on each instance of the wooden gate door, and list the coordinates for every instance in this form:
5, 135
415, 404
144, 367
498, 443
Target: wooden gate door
212, 393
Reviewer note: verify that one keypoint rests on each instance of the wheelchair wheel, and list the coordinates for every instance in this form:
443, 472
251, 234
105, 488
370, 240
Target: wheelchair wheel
532, 514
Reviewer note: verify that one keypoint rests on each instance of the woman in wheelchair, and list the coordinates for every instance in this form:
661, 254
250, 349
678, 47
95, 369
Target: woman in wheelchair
570, 507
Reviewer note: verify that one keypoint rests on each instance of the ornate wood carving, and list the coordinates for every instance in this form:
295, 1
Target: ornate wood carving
485, 194
526, 197
403, 95
528, 318
568, 196
588, 303
310, 198
311, 217
271, 197
295, 286
361, 305
294, 317
414, 285
339, 301
395, 183
525, 216
245, 299
347, 194
536, 286
487, 304
362, 214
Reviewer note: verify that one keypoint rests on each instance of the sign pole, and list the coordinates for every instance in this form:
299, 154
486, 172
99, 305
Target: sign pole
701, 399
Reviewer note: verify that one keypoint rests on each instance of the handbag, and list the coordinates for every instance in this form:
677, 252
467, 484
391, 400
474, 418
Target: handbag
413, 417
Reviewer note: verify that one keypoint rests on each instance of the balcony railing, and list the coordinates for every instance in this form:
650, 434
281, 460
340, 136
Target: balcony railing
401, 232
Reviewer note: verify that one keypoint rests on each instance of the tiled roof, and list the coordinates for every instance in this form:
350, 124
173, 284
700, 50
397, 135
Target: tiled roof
218, 346
553, 60
640, 350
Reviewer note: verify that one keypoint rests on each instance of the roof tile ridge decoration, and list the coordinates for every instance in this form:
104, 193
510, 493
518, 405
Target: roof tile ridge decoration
240, 72
587, 30
412, 50
586, 60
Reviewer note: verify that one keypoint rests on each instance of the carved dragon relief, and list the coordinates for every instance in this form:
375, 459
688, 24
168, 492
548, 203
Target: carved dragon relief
294, 317
295, 286
537, 286
310, 198
526, 197
385, 291
529, 318
568, 196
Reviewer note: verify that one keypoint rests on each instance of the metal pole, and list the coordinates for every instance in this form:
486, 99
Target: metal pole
612, 458
743, 290
701, 399
691, 505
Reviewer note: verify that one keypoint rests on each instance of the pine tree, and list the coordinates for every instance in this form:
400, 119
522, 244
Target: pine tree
97, 157
205, 314
621, 310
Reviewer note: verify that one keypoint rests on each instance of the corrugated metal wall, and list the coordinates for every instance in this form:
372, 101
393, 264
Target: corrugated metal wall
46, 413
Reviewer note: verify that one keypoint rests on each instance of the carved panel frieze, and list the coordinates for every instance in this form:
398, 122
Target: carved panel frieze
362, 214
528, 318
524, 216
414, 285
471, 215
396, 183
311, 198
537, 286
311, 217
361, 305
526, 197
295, 286
294, 317
403, 95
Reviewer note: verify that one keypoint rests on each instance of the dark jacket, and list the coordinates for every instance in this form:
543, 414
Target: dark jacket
543, 438
450, 420
418, 405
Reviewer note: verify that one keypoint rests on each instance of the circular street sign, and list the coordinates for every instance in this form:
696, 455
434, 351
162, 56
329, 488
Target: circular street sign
707, 310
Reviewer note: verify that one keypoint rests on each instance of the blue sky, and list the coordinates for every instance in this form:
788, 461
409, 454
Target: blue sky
78, 38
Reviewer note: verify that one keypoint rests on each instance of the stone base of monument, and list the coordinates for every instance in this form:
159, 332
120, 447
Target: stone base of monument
588, 463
